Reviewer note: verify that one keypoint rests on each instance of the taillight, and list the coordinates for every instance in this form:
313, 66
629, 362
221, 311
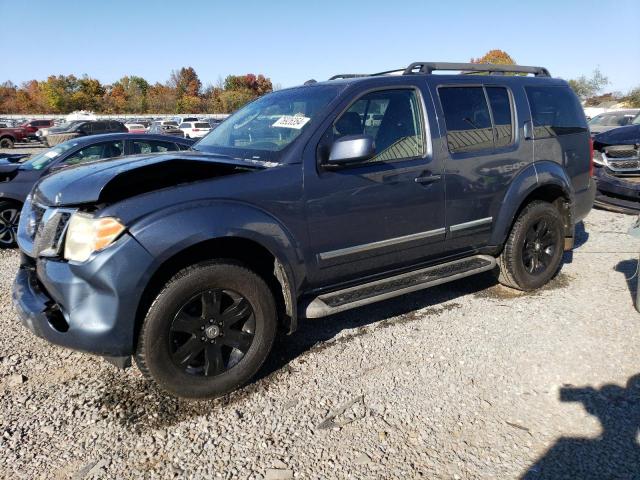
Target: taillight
590, 156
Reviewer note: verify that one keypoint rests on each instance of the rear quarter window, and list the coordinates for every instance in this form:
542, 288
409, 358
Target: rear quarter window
555, 111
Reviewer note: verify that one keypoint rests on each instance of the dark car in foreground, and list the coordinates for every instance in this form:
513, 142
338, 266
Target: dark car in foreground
301, 204
617, 172
18, 174
81, 128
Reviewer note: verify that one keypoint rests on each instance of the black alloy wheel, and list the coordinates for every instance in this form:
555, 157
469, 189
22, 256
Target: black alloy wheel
9, 219
212, 332
539, 248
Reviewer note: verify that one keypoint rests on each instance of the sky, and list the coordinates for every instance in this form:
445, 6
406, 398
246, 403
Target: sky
293, 41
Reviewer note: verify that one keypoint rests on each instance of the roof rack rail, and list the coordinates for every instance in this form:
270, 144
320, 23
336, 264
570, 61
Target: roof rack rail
349, 75
430, 67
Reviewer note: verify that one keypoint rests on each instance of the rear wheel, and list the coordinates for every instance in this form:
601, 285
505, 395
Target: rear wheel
208, 331
533, 251
9, 219
6, 142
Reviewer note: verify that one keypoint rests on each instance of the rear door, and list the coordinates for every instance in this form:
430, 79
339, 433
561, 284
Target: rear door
484, 150
384, 213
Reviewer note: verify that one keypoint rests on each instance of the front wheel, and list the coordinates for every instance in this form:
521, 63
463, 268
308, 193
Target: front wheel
9, 219
208, 331
6, 142
533, 252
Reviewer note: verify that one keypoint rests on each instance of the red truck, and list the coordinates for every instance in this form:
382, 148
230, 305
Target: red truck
9, 136
30, 128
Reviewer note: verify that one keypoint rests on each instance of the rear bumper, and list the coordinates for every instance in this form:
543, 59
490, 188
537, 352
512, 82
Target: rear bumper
583, 202
90, 307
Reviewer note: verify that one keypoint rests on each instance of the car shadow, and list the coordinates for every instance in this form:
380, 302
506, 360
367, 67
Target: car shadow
629, 268
139, 405
614, 454
580, 237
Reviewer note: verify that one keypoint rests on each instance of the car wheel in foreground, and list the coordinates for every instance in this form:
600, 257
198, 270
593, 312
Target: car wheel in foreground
533, 252
9, 219
6, 142
208, 331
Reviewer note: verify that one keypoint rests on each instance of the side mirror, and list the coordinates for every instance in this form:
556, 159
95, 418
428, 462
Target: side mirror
351, 149
57, 167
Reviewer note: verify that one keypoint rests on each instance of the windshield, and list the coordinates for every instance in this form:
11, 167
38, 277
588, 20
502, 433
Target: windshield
68, 125
636, 121
265, 127
41, 160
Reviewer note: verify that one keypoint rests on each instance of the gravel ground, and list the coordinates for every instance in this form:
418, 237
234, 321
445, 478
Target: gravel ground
466, 380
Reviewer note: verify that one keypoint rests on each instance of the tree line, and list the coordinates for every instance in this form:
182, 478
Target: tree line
588, 88
182, 93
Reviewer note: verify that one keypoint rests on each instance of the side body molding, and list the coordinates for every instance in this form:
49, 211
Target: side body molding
540, 174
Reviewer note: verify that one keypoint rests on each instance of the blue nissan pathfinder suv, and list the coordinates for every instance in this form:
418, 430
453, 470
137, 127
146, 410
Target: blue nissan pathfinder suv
306, 202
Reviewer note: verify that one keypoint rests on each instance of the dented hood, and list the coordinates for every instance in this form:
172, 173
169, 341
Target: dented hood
628, 135
107, 181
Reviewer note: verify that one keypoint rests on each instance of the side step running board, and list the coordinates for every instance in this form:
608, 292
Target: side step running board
341, 300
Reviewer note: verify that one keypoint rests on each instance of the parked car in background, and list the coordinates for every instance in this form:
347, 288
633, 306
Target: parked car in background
195, 129
296, 207
610, 120
81, 128
18, 175
32, 127
181, 120
172, 130
617, 172
10, 135
214, 122
135, 127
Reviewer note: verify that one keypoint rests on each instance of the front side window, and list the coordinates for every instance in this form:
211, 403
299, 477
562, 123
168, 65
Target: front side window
555, 111
96, 152
265, 127
393, 118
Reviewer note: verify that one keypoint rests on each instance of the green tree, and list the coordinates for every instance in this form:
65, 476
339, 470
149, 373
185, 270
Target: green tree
586, 87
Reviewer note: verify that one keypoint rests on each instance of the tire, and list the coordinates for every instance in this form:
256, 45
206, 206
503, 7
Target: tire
9, 218
533, 252
6, 142
195, 353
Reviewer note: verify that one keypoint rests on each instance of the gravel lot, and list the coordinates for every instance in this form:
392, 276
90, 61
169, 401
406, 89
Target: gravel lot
466, 380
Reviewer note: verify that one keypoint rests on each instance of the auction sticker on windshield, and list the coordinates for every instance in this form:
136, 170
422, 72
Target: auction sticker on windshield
291, 121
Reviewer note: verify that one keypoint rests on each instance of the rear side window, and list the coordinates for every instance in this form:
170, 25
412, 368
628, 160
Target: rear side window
466, 115
555, 111
185, 125
502, 115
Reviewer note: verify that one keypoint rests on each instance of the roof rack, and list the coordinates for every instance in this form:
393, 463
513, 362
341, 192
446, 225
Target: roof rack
430, 67
464, 68
349, 75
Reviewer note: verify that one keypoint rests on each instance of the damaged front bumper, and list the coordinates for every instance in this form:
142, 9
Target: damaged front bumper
90, 307
617, 193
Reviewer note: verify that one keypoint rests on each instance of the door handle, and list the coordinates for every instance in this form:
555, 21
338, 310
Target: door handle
427, 178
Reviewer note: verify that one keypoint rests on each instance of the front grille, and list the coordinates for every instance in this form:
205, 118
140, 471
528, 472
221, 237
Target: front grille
630, 151
622, 158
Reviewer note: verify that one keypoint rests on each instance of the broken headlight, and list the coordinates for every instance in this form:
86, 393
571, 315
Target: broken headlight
597, 158
86, 235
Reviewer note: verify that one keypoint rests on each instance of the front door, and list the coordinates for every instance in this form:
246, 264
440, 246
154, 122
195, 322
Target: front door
386, 212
